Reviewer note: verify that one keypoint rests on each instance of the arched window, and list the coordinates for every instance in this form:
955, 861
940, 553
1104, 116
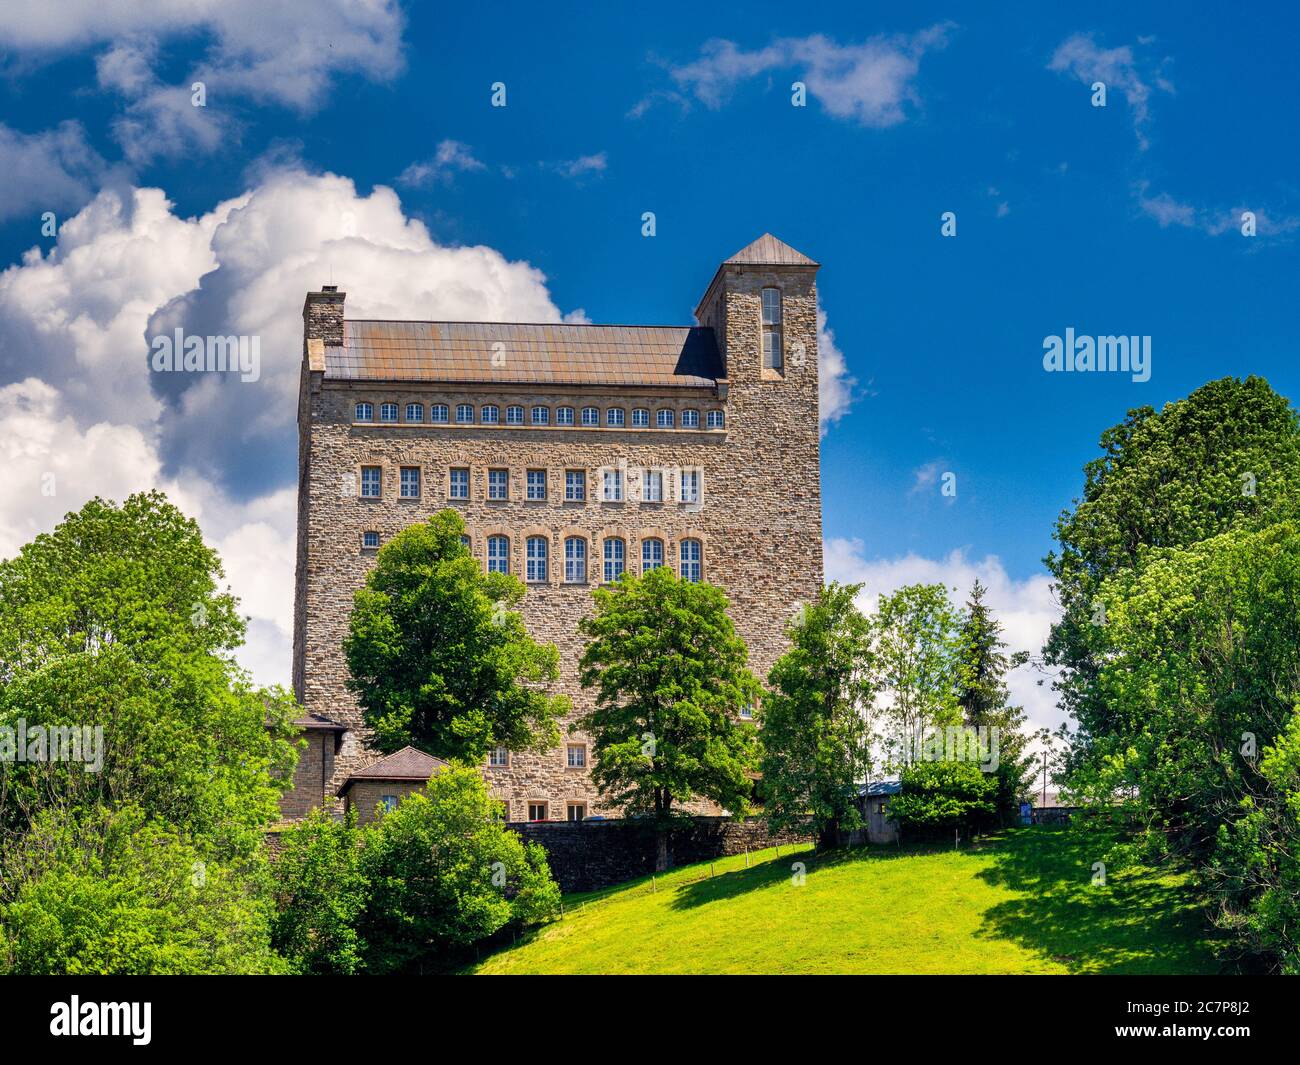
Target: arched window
490, 414
536, 570
575, 560
465, 413
388, 412
640, 418
438, 413
514, 415
717, 419
614, 554
652, 554
563, 415
614, 417
415, 412
689, 554
540, 415
664, 418
498, 558
690, 419
365, 412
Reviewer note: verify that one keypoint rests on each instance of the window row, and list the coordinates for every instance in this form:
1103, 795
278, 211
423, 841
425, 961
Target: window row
613, 484
607, 561
490, 414
575, 757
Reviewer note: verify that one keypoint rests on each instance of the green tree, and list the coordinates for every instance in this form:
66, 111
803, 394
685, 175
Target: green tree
438, 659
1227, 456
816, 737
320, 894
116, 620
442, 873
916, 654
982, 695
670, 683
113, 892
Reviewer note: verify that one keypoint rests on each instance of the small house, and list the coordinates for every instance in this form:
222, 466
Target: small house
381, 785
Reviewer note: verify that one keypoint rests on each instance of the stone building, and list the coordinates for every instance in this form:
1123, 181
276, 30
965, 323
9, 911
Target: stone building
572, 452
381, 785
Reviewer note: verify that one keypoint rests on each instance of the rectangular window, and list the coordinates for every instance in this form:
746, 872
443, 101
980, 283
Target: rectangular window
535, 568
690, 419
459, 488
577, 756
537, 811
388, 412
690, 486
365, 412
410, 486
498, 484
370, 540
652, 555
613, 559
498, 557
717, 419
640, 418
689, 556
465, 413
771, 306
652, 486
747, 712
371, 478
536, 484
772, 349
388, 802
612, 482
499, 758
577, 811
575, 486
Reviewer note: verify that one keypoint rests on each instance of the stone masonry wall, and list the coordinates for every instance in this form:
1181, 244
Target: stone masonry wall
759, 525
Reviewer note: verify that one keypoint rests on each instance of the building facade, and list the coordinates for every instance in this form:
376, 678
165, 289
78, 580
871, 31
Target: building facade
573, 453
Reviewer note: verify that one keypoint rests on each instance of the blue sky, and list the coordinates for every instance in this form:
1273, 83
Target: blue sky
1116, 220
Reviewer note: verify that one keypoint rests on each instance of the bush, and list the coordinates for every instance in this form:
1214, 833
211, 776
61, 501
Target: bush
444, 873
943, 796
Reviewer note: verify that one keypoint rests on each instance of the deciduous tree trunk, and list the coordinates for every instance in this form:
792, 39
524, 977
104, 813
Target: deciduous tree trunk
661, 851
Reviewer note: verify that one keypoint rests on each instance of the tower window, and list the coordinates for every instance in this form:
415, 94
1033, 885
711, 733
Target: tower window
614, 555
652, 555
536, 570
772, 329
575, 560
689, 554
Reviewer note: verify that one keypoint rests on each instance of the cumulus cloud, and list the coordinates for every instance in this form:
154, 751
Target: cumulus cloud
581, 167
834, 383
47, 171
1168, 211
287, 52
869, 83
82, 413
1118, 68
1026, 608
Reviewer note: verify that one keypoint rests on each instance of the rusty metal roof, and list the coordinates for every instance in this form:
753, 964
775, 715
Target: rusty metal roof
513, 353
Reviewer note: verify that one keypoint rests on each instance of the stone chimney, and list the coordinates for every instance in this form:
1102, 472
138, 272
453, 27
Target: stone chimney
322, 322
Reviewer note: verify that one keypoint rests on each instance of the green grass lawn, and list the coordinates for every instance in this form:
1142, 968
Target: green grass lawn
1022, 902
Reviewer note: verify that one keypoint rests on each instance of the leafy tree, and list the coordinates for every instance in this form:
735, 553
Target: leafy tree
1227, 456
816, 738
112, 892
115, 620
916, 654
320, 894
943, 796
439, 661
443, 872
982, 695
670, 682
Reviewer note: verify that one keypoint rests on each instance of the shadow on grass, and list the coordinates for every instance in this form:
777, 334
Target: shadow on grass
1137, 922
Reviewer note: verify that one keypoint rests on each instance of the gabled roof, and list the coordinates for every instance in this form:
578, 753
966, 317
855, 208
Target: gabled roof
406, 764
514, 353
768, 251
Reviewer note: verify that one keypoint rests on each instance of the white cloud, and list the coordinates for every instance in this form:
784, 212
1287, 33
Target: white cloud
287, 52
77, 317
834, 383
1168, 211
1118, 68
449, 158
47, 171
1025, 608
869, 83
582, 166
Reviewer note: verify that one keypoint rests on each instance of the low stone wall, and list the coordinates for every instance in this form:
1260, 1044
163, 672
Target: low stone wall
589, 855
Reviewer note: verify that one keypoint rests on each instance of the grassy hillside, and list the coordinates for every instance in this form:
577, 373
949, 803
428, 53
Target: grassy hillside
1020, 903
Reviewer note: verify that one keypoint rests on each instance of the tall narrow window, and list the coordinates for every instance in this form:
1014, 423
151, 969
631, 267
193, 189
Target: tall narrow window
690, 486
499, 758
575, 560
652, 486
498, 554
652, 555
410, 483
614, 555
536, 570
689, 553
613, 486
772, 329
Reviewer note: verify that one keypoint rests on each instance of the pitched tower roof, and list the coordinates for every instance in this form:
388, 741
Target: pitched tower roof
768, 251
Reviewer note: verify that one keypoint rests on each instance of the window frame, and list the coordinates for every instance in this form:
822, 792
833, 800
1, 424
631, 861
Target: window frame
451, 482
378, 482
493, 476
369, 416
402, 493
419, 412
537, 568
539, 478
572, 563
609, 558
461, 408
499, 562
489, 419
